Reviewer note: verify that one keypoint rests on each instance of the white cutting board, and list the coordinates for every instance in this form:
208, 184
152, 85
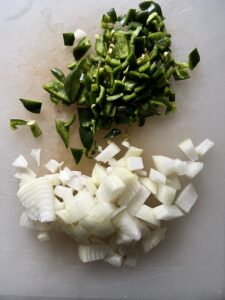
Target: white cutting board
189, 264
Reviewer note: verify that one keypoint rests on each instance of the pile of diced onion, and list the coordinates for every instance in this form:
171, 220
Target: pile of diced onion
117, 211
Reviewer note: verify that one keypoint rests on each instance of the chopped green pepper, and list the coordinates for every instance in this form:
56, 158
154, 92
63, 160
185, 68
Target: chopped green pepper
77, 154
68, 38
35, 129
125, 80
193, 59
83, 46
58, 74
16, 122
33, 106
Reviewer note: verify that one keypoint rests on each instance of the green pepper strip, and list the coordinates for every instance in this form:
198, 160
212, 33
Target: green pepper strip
63, 129
114, 97
56, 88
32, 105
58, 74
112, 14
17, 122
86, 136
35, 129
83, 46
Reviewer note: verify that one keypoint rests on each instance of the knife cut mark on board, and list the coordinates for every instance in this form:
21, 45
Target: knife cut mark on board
22, 12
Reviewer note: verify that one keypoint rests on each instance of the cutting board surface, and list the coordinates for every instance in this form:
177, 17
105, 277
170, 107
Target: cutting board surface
189, 264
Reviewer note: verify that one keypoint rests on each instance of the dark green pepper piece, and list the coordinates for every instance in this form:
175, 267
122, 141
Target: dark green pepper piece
58, 74
83, 46
33, 106
112, 14
72, 81
130, 16
68, 38
87, 137
193, 59
77, 154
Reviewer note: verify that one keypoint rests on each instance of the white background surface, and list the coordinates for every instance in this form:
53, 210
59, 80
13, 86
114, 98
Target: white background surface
190, 263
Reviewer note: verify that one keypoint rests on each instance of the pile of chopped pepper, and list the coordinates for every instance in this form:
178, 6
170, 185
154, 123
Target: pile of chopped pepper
125, 80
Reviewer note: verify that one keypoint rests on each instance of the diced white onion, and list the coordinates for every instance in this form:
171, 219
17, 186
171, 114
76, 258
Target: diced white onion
81, 234
187, 198
126, 224
138, 200
79, 34
53, 178
90, 185
193, 168
20, 162
89, 223
79, 208
88, 253
53, 166
167, 212
108, 213
43, 236
103, 229
129, 193
25, 171
25, 178
180, 167
76, 183
174, 182
36, 155
110, 151
125, 175
146, 214
133, 151
149, 184
58, 205
153, 239
188, 148
204, 147
112, 161
102, 211
157, 176
65, 193
66, 175
164, 164
37, 197
110, 188
115, 259
142, 173
25, 221
165, 194
64, 216
125, 143
135, 163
